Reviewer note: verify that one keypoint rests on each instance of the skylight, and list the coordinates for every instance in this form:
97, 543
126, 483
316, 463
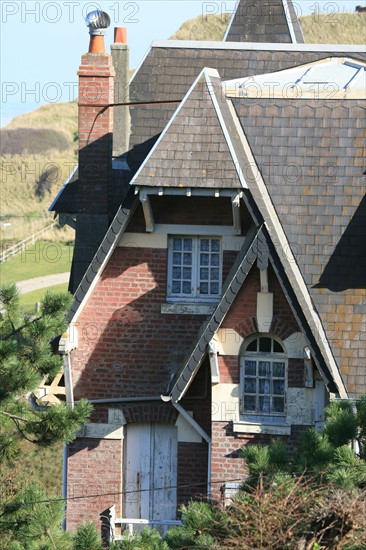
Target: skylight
331, 78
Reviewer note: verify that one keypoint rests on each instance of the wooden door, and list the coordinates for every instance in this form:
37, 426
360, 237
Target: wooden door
150, 471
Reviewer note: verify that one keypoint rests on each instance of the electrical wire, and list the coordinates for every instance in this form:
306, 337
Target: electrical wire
245, 481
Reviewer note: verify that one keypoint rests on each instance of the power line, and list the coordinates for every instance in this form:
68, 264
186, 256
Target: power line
245, 481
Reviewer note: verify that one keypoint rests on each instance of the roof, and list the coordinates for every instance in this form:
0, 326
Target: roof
265, 21
194, 149
175, 65
311, 156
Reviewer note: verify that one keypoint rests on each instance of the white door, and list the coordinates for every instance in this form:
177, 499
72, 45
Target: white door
150, 471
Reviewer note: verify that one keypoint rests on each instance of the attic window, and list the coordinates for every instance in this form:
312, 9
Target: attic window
194, 268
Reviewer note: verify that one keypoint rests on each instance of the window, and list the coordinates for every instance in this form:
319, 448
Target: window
194, 268
263, 377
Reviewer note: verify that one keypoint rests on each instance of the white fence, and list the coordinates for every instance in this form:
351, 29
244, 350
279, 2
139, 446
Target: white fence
22, 245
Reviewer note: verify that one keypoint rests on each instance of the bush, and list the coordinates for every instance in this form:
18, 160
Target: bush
147, 539
87, 538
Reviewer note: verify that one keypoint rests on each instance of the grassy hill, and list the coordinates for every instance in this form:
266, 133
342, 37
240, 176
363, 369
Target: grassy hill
37, 148
340, 28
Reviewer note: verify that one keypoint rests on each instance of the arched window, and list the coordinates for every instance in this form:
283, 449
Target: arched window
263, 373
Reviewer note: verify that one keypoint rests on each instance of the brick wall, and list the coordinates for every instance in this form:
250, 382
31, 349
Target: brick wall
94, 468
227, 465
192, 471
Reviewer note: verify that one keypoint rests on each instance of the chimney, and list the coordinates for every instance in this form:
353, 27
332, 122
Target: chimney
120, 56
96, 94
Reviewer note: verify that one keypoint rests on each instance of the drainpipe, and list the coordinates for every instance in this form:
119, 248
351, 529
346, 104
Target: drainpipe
199, 430
68, 342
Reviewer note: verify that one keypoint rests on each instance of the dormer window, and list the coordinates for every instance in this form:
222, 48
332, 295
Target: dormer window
194, 268
263, 370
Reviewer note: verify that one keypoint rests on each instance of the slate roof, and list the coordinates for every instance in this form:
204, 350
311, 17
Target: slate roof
265, 21
171, 67
193, 151
311, 155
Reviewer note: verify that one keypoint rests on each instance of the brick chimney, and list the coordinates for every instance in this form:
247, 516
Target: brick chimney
96, 93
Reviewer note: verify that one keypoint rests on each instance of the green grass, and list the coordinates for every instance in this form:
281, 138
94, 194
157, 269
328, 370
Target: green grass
41, 258
29, 300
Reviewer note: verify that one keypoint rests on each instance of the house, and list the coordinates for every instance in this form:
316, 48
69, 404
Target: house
219, 271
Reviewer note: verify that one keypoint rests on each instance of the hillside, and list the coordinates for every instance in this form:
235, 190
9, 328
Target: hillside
38, 152
342, 28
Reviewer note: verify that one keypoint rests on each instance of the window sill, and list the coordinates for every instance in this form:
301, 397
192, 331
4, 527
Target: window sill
187, 309
261, 428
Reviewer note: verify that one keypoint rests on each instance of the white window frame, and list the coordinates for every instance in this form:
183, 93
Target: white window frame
271, 357
195, 295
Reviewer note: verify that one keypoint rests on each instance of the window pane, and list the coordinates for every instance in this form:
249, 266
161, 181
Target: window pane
205, 259
264, 403
214, 274
265, 344
177, 258
250, 385
264, 368
205, 245
278, 387
249, 403
204, 288
187, 258
204, 273
250, 368
278, 369
215, 259
252, 346
177, 272
265, 385
214, 288
278, 404
277, 348
187, 273
176, 287
187, 245
215, 245
177, 244
187, 288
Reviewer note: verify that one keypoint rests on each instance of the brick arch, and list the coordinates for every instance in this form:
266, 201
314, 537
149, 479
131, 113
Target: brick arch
246, 327
282, 327
150, 412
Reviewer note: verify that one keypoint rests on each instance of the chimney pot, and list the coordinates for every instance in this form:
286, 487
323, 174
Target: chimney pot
120, 35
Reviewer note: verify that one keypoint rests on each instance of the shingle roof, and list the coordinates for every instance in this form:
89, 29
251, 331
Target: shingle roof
311, 155
265, 21
193, 150
171, 67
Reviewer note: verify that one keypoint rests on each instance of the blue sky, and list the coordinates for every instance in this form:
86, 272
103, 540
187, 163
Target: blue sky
42, 41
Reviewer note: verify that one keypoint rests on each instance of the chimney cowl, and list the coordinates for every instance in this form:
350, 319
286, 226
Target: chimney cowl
98, 21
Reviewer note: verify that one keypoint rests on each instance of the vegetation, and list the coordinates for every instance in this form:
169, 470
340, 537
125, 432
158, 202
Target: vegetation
338, 28
26, 358
29, 301
41, 258
31, 141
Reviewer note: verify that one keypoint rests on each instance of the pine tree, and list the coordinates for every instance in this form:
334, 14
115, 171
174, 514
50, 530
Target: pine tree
26, 358
29, 520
